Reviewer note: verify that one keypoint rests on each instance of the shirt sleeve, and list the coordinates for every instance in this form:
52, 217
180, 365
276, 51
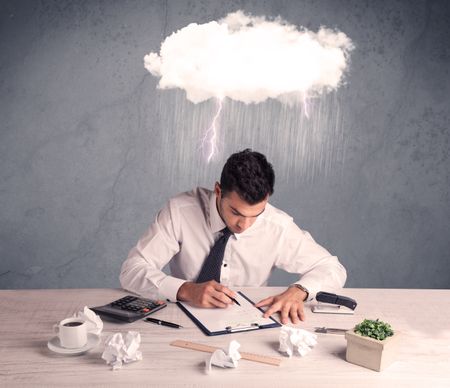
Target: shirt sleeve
319, 270
142, 272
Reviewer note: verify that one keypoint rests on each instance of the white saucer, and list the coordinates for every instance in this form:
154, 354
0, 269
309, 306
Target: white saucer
92, 341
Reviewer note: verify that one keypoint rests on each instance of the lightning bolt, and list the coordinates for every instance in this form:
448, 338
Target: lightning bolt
305, 105
209, 141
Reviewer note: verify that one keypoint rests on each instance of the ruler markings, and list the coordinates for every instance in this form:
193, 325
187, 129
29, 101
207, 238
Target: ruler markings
211, 349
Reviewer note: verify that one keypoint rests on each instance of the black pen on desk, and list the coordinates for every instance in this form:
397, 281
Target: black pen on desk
162, 323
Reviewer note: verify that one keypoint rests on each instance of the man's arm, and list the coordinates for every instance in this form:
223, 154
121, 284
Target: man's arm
319, 270
141, 272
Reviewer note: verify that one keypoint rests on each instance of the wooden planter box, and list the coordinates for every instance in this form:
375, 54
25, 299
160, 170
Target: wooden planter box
371, 353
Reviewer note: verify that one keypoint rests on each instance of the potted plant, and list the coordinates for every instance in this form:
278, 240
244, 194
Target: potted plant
372, 344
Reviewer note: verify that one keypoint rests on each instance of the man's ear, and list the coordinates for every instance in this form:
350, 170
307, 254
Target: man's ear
217, 189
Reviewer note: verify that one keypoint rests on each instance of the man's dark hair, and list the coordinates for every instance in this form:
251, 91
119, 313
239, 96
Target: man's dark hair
249, 174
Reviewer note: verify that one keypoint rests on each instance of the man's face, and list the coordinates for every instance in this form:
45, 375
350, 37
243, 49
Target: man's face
237, 214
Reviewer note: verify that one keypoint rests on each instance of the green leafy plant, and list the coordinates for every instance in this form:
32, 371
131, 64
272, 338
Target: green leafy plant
374, 329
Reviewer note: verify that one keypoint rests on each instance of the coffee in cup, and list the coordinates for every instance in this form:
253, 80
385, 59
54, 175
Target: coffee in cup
72, 333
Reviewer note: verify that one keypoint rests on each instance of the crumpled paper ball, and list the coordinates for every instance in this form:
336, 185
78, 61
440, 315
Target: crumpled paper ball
93, 321
119, 350
292, 339
224, 359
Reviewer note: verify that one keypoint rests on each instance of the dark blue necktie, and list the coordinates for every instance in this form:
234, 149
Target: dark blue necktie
213, 263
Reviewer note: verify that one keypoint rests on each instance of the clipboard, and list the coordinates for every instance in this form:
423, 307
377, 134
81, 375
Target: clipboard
232, 319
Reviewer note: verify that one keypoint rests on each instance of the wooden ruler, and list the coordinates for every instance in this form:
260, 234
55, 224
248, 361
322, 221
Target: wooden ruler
211, 349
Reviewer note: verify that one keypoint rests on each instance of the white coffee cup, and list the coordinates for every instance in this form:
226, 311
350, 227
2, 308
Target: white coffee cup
72, 333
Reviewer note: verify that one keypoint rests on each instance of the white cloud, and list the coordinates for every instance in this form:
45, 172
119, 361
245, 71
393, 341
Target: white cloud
250, 59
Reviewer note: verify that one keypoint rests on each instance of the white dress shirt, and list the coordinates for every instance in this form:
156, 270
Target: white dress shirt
185, 231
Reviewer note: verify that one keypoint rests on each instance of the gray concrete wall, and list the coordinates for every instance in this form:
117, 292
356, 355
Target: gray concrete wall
90, 149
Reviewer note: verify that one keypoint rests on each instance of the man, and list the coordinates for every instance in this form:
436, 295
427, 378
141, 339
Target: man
252, 237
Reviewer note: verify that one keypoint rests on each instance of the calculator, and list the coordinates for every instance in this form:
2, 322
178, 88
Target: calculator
129, 308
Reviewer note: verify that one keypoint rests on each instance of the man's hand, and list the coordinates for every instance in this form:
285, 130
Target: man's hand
209, 294
289, 303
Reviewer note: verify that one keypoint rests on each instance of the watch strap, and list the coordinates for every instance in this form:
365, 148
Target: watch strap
300, 287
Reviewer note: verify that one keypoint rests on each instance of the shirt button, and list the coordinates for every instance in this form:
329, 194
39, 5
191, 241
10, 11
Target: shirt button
225, 264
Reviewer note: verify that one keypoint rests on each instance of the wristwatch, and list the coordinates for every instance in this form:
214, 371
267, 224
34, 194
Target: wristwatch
300, 287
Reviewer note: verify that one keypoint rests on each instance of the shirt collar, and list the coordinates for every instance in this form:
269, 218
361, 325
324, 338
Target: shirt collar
215, 220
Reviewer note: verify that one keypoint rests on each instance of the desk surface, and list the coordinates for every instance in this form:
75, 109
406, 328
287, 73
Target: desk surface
27, 317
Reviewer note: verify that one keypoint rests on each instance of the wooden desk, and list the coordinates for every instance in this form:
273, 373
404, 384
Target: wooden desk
27, 317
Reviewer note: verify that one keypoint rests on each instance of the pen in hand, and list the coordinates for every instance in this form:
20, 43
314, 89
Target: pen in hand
162, 323
234, 300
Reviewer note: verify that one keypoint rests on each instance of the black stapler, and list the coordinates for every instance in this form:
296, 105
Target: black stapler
329, 303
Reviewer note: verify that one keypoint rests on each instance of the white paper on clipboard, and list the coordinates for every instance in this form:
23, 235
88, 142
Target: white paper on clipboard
232, 318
